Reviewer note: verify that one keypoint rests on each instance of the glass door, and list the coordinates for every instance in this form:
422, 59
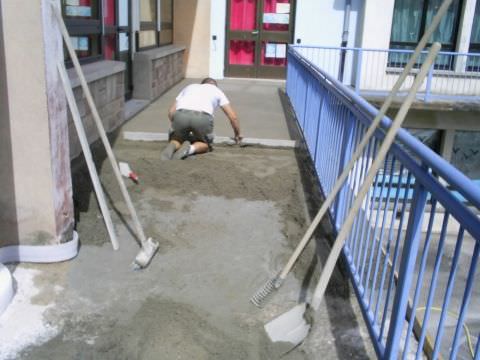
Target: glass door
124, 43
258, 32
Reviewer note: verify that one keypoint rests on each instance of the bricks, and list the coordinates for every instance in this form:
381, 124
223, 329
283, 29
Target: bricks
108, 94
157, 70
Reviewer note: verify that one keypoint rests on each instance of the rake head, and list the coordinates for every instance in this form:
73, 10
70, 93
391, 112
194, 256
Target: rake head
262, 294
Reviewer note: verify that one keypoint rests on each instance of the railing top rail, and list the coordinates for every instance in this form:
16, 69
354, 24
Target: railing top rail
453, 176
401, 51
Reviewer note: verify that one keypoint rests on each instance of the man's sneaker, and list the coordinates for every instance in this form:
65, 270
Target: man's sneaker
167, 153
182, 153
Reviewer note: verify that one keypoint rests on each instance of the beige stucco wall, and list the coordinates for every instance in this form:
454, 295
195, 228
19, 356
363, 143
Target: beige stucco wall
37, 184
192, 29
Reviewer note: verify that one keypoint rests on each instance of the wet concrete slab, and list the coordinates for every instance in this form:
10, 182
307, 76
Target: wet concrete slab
257, 103
226, 222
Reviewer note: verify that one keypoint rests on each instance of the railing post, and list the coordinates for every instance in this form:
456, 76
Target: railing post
407, 267
358, 71
428, 87
344, 159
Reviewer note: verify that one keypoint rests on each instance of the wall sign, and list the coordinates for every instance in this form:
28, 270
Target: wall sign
274, 18
283, 8
83, 11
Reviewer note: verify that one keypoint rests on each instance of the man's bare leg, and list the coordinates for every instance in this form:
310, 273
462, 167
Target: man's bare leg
172, 146
200, 147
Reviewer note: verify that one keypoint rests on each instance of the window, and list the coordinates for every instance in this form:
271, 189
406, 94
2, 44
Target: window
410, 20
166, 22
147, 38
82, 18
150, 23
473, 63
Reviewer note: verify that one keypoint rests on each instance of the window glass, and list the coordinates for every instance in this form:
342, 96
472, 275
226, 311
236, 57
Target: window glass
166, 37
166, 22
475, 38
276, 15
410, 20
148, 11
85, 46
83, 22
166, 12
446, 30
147, 38
80, 9
466, 153
407, 17
473, 62
412, 17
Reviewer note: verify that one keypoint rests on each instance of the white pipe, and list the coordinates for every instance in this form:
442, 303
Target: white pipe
33, 254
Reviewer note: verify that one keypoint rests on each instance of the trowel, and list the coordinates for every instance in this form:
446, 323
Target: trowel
294, 325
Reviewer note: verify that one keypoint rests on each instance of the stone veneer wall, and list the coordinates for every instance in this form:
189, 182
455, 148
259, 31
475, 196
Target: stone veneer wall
106, 82
167, 71
157, 70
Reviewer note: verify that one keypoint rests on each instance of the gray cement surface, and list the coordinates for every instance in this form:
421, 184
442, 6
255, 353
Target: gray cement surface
256, 102
226, 222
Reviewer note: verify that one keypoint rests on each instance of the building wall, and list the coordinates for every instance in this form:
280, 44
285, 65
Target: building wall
8, 228
321, 22
218, 18
36, 116
192, 29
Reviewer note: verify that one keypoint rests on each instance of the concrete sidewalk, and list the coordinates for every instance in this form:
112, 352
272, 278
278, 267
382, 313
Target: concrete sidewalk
257, 103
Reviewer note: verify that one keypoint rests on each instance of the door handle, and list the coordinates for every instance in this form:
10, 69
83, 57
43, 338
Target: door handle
255, 32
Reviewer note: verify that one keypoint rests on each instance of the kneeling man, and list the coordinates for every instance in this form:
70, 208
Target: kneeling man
191, 117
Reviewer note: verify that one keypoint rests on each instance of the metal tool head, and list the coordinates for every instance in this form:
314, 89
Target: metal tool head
146, 254
290, 327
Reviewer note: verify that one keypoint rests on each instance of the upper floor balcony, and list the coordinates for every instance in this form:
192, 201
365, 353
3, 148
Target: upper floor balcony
454, 78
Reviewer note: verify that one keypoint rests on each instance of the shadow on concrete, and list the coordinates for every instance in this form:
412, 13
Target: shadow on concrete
83, 191
324, 235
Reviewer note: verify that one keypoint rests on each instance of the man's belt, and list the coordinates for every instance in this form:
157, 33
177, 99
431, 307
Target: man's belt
195, 111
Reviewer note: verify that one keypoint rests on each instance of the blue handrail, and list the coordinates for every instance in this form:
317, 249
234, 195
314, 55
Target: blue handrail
452, 175
410, 224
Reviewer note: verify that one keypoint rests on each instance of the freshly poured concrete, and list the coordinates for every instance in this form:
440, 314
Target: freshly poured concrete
257, 104
226, 222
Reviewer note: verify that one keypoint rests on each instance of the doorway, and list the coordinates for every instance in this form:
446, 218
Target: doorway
258, 32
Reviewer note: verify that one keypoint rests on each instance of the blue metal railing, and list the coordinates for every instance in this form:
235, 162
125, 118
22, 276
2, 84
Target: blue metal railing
374, 71
414, 248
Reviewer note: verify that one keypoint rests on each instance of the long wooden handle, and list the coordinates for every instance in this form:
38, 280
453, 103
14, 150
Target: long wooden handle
99, 124
377, 163
366, 138
77, 121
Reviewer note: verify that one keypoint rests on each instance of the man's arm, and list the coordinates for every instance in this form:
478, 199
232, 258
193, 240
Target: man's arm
232, 116
172, 110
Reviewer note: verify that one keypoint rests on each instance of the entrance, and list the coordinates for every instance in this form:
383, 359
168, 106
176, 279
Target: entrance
258, 32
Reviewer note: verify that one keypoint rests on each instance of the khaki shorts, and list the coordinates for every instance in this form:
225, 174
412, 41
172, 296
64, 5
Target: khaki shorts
192, 126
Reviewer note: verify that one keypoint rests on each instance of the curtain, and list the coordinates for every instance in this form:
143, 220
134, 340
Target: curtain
473, 63
407, 16
407, 28
445, 33
243, 15
475, 38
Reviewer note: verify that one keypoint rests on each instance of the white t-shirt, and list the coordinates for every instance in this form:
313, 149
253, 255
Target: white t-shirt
201, 97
